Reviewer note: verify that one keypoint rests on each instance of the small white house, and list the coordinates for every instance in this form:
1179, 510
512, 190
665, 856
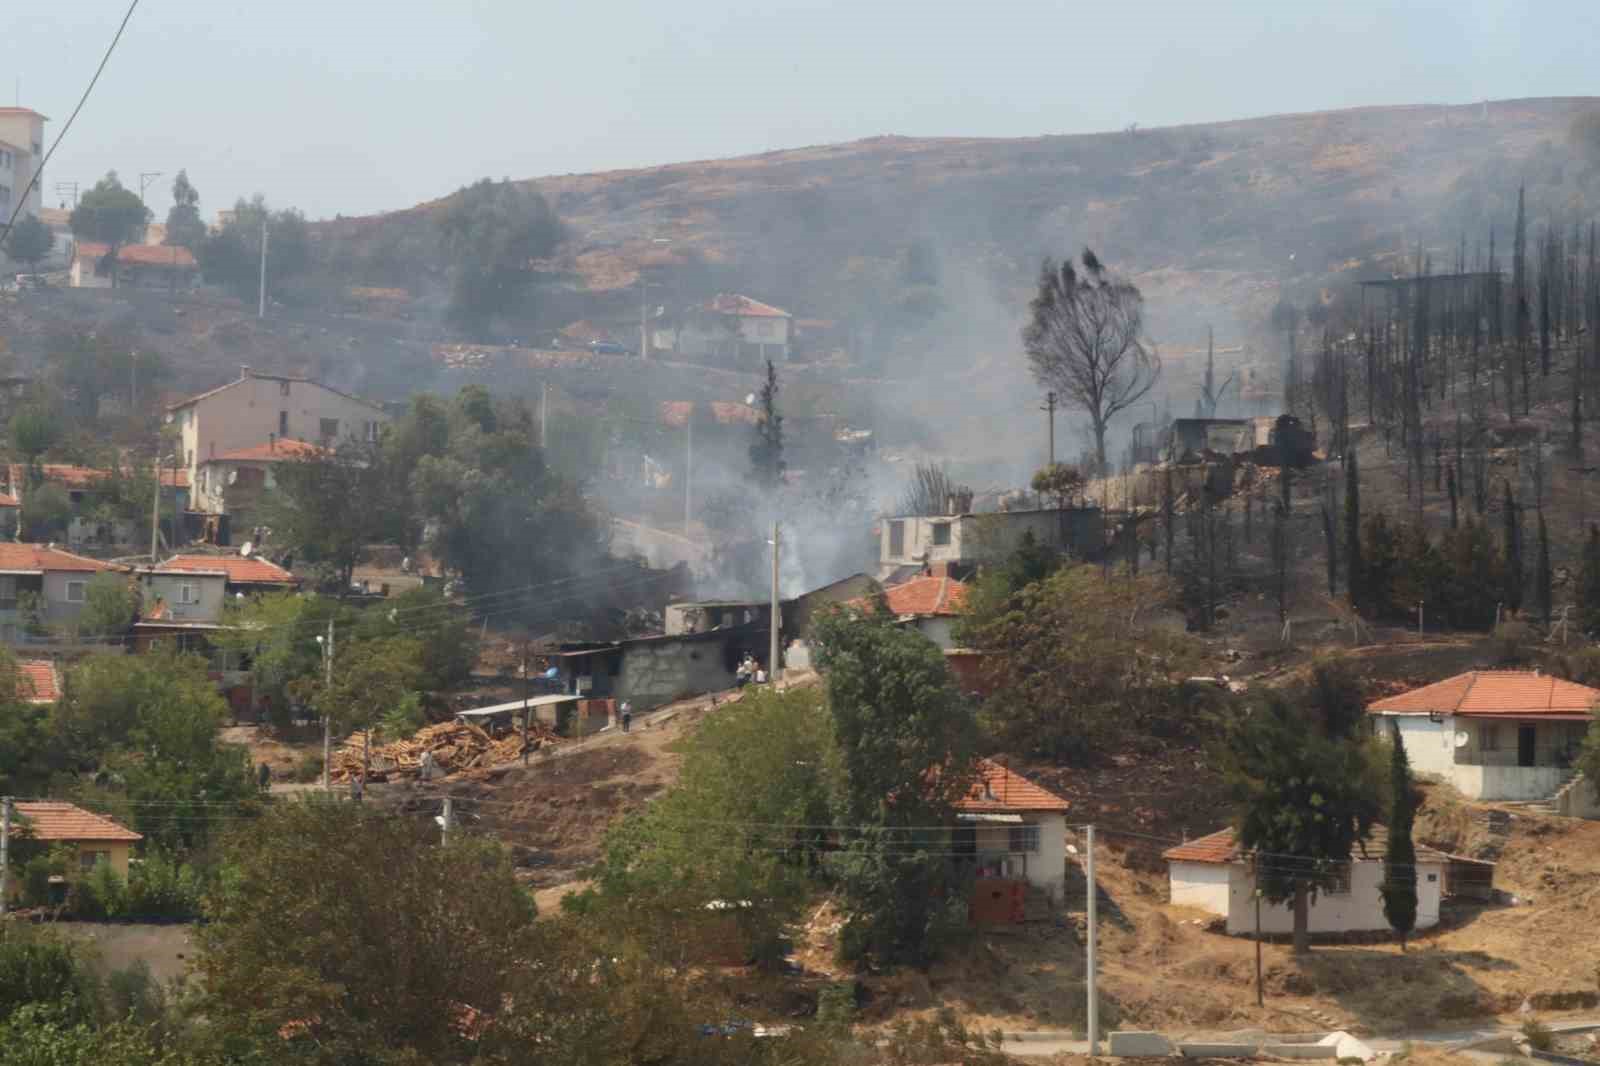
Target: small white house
1009, 827
1493, 734
930, 604
1212, 874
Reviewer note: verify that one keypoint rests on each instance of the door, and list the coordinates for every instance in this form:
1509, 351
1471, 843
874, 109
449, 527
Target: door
1525, 738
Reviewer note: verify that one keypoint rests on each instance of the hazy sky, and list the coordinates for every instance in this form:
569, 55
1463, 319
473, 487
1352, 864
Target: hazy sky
354, 106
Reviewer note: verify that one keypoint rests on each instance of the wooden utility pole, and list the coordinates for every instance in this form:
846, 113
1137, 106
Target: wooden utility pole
327, 721
5, 851
1050, 409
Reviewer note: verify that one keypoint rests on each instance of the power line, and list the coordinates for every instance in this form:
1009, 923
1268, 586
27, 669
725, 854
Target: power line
38, 170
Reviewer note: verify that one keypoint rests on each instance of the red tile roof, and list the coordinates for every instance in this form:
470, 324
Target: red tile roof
37, 681
1219, 847
923, 596
728, 303
998, 791
64, 821
37, 558
82, 477
277, 451
8, 500
252, 374
1489, 693
240, 571
162, 255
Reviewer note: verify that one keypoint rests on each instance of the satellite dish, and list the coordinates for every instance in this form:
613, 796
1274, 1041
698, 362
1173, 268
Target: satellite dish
1462, 740
750, 400
246, 548
233, 477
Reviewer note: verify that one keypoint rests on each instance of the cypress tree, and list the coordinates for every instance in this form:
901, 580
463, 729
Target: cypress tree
1513, 549
1400, 859
1589, 583
1355, 575
1542, 572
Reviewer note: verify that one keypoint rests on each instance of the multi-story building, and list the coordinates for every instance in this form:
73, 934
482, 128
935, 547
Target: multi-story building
263, 411
21, 156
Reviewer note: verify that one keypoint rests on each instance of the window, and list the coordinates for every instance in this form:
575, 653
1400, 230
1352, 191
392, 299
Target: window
372, 431
897, 539
88, 860
188, 594
75, 591
283, 423
330, 428
1489, 736
283, 388
8, 593
1024, 838
941, 533
1339, 880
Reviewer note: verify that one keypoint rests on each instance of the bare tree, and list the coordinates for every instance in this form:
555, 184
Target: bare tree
1084, 340
932, 492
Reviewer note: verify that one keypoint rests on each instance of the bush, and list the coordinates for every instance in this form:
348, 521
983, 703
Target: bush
1539, 1036
102, 896
836, 1005
162, 887
1514, 643
39, 968
308, 768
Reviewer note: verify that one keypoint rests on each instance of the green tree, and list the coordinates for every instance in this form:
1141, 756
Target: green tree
1079, 665
444, 630
329, 504
370, 679
34, 431
1589, 583
906, 750
490, 234
150, 721
46, 513
279, 634
446, 934
110, 603
748, 775
231, 257
29, 241
767, 464
1303, 791
1399, 888
1063, 482
109, 214
185, 227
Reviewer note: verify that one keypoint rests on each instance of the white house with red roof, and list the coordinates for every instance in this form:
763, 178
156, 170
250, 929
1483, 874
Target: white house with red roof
729, 327
232, 482
167, 267
1493, 734
929, 603
1212, 873
1010, 828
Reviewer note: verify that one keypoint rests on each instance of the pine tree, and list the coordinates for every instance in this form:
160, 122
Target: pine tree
1355, 574
1400, 860
1513, 549
766, 451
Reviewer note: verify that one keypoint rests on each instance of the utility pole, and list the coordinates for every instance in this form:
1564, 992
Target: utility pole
1050, 408
261, 299
1260, 1000
446, 819
145, 178
155, 515
1089, 980
525, 709
133, 380
688, 470
644, 314
773, 669
5, 850
327, 722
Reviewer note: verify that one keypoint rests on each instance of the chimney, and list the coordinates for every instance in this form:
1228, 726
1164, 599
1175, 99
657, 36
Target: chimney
244, 371
272, 442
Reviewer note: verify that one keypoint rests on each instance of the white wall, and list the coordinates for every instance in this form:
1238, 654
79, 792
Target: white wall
1432, 749
1429, 745
1201, 884
1045, 869
1508, 782
1359, 910
25, 132
938, 629
212, 589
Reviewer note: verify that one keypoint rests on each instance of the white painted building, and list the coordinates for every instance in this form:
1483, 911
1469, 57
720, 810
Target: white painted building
1493, 734
257, 409
1009, 827
731, 327
21, 156
1212, 874
971, 539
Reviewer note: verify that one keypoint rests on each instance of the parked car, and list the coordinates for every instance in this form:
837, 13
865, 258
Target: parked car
608, 348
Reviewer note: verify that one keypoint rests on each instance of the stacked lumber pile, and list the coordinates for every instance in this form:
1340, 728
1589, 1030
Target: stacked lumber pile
456, 746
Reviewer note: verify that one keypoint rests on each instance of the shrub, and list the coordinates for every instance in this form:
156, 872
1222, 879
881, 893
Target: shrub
1539, 1036
102, 896
162, 887
836, 1005
309, 768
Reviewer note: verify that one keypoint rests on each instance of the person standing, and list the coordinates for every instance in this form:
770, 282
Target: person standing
627, 716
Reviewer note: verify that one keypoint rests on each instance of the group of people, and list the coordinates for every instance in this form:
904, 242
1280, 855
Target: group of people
749, 671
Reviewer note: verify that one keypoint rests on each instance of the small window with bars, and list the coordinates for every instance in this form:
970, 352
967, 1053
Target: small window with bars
1024, 838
